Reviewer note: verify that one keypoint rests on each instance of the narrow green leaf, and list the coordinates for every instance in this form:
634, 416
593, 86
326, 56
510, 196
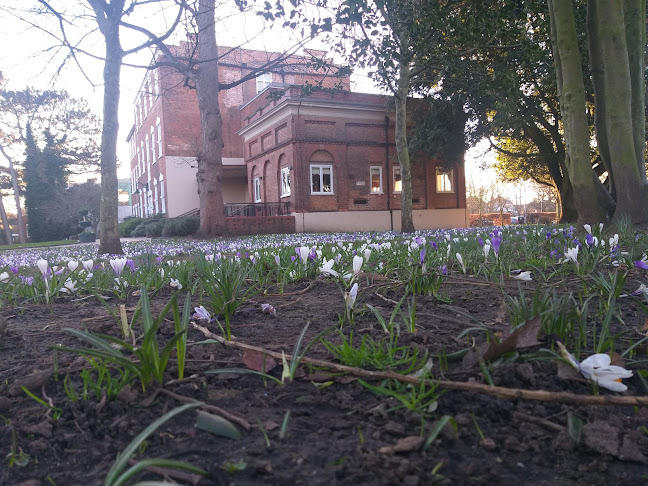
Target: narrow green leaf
438, 427
217, 426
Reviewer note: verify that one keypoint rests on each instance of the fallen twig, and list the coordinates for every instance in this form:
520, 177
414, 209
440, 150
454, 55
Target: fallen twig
498, 391
168, 473
212, 408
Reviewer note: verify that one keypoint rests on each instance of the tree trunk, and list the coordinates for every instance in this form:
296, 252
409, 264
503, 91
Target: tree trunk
108, 226
571, 92
596, 68
635, 24
16, 191
609, 24
402, 150
5, 223
210, 161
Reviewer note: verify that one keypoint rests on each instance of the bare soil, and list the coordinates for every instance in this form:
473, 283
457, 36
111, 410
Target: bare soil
341, 433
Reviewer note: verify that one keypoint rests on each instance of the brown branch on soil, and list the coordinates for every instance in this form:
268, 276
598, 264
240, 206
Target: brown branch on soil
299, 292
498, 391
168, 473
211, 408
539, 421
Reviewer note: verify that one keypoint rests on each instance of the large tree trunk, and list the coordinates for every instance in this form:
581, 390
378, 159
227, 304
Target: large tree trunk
609, 25
5, 222
16, 191
108, 219
635, 24
402, 150
571, 92
108, 16
210, 161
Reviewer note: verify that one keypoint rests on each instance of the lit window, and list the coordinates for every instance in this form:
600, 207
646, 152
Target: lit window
444, 178
321, 179
398, 183
285, 182
263, 81
376, 180
257, 189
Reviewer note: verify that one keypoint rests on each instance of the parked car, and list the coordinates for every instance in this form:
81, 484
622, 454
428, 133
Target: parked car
483, 222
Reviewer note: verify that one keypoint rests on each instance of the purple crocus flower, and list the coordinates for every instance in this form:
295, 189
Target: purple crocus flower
443, 270
481, 242
433, 244
293, 258
158, 260
589, 239
130, 264
422, 256
641, 264
496, 241
28, 280
14, 270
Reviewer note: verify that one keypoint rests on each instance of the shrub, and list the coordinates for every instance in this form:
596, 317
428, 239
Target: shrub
181, 226
128, 225
153, 229
140, 230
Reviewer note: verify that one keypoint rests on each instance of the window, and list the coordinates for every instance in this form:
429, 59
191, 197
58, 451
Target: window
257, 189
146, 151
155, 196
263, 81
162, 200
376, 180
144, 107
285, 182
156, 86
321, 179
159, 137
153, 157
143, 156
398, 184
444, 180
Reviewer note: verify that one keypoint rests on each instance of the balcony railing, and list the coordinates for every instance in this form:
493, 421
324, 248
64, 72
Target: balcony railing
257, 210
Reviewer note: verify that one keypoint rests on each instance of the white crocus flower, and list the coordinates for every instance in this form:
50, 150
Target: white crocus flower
4, 277
88, 265
600, 227
486, 249
73, 265
614, 240
89, 277
526, 276
367, 254
327, 268
201, 313
357, 264
303, 253
162, 273
572, 254
118, 265
175, 283
69, 286
350, 297
597, 368
460, 260
42, 266
278, 260
588, 228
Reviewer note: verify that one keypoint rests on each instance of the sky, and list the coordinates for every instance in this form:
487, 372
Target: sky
34, 61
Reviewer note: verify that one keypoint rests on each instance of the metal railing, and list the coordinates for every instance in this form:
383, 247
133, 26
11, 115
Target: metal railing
257, 209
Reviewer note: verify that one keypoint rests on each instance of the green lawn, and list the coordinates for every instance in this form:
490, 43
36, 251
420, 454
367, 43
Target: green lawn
18, 246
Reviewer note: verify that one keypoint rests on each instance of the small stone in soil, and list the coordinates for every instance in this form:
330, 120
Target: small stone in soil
488, 444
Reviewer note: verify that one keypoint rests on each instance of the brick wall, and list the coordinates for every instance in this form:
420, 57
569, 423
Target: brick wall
260, 226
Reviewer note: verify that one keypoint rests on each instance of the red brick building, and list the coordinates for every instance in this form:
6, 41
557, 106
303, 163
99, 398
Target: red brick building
329, 157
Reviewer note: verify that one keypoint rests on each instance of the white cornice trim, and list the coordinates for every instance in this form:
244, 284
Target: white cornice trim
317, 108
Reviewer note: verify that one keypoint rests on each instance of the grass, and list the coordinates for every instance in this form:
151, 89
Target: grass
41, 244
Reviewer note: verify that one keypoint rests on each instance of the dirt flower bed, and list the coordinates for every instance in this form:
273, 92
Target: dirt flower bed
325, 426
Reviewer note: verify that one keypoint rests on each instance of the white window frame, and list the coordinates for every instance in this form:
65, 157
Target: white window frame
285, 182
263, 81
444, 177
257, 189
320, 168
159, 136
397, 170
153, 157
155, 196
371, 173
162, 199
144, 106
